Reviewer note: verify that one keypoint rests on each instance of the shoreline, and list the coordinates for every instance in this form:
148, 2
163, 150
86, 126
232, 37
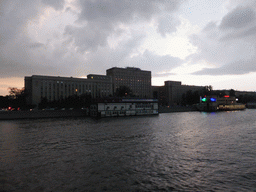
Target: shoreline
12, 115
37, 114
176, 108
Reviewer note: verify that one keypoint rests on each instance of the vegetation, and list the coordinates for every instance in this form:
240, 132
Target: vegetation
190, 98
16, 99
246, 98
4, 102
193, 97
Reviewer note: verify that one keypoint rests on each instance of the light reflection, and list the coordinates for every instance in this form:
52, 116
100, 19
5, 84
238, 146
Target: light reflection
9, 136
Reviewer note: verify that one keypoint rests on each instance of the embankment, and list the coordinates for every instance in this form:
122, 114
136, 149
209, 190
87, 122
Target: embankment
176, 108
5, 115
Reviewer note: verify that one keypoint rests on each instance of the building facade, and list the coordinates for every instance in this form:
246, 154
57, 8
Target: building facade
56, 88
159, 92
172, 91
137, 80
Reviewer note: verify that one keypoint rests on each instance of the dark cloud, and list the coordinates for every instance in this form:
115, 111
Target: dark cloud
167, 24
13, 17
249, 32
13, 56
36, 45
235, 68
19, 54
164, 75
104, 17
240, 23
89, 38
238, 18
22, 60
155, 63
210, 26
228, 48
124, 11
56, 4
126, 55
86, 46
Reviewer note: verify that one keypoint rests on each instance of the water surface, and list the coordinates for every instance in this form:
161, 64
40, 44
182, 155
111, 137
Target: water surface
189, 151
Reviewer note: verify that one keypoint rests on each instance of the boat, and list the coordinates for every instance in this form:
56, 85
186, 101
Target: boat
216, 103
123, 107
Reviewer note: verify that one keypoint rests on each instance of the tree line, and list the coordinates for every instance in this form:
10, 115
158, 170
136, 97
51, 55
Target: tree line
17, 99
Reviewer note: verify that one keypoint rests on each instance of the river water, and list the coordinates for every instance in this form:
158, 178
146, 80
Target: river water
189, 151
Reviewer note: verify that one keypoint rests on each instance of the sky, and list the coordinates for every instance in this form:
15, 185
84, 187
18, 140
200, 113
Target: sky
196, 42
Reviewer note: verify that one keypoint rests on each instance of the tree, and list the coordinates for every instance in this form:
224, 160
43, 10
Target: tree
15, 92
4, 101
43, 104
207, 90
232, 92
17, 97
219, 93
190, 97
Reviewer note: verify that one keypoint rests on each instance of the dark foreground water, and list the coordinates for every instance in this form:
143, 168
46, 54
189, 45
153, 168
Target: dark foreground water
189, 151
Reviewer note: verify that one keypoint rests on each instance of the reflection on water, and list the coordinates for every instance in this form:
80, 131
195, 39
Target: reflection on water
177, 151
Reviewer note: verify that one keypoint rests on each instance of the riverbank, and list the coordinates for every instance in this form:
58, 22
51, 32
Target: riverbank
7, 115
176, 108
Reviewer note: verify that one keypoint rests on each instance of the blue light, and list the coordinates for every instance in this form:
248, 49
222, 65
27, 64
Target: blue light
213, 100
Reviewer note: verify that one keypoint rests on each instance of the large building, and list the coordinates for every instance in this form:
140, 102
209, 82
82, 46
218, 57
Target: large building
171, 92
55, 87
98, 86
137, 80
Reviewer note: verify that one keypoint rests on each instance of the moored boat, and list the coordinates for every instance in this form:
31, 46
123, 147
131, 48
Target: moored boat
215, 103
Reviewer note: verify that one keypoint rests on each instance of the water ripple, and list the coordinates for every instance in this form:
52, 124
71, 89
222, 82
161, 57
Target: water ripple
170, 152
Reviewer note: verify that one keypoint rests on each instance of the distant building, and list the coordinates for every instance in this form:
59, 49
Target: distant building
239, 93
137, 80
172, 91
56, 88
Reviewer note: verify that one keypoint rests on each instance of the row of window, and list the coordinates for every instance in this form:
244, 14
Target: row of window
60, 90
61, 95
132, 79
143, 105
86, 86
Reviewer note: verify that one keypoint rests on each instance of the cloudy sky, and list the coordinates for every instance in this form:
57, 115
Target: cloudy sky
197, 42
